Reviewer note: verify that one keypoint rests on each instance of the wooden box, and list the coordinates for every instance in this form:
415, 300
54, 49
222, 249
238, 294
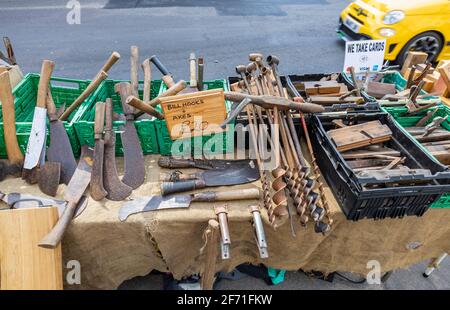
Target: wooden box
199, 113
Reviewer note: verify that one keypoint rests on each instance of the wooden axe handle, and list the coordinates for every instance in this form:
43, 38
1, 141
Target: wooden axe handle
168, 80
240, 194
15, 156
91, 87
53, 238
147, 79
99, 120
134, 71
175, 89
192, 71
115, 56
142, 106
108, 121
44, 81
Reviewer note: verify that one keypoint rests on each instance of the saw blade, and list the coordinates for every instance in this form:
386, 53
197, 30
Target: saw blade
152, 203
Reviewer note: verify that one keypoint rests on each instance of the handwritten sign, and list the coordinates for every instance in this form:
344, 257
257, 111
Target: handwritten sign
366, 55
196, 113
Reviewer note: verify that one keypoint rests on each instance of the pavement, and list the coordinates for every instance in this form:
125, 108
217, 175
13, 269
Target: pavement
300, 32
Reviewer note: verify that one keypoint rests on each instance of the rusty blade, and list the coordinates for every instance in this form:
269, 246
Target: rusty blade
48, 178
82, 176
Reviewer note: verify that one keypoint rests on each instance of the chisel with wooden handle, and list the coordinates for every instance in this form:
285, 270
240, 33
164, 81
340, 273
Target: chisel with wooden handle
13, 151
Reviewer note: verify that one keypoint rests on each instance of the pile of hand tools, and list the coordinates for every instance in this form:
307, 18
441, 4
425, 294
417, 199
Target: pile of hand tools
268, 105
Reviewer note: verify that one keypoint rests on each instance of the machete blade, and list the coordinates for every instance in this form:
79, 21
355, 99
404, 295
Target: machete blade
82, 176
60, 150
37, 139
133, 157
232, 176
48, 178
152, 203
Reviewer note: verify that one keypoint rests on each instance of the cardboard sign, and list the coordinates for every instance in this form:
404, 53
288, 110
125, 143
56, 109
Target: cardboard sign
367, 55
196, 113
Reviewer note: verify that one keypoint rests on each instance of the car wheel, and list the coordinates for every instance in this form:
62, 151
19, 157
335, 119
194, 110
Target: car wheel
429, 42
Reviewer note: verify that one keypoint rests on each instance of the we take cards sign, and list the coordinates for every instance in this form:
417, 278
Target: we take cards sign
367, 55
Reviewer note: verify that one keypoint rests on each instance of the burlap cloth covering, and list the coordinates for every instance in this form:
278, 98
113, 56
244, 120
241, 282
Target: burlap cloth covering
111, 251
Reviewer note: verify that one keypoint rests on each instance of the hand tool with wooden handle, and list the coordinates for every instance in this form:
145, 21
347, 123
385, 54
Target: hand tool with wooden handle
269, 102
48, 178
206, 164
355, 81
142, 106
157, 202
167, 76
60, 149
192, 71
225, 240
175, 89
10, 51
116, 189
147, 80
91, 88
200, 69
13, 151
134, 174
134, 71
73, 193
211, 236
24, 265
36, 142
97, 190
209, 178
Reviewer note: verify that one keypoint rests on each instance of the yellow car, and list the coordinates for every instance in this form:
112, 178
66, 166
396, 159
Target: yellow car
407, 25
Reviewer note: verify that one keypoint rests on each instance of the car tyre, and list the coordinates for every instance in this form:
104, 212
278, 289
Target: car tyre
429, 42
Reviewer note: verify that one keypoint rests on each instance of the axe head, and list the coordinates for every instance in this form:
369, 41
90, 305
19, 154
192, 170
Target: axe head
48, 178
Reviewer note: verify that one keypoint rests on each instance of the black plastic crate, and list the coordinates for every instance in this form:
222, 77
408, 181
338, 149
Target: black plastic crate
296, 80
358, 202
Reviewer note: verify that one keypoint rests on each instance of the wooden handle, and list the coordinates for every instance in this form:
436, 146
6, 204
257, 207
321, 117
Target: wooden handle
115, 56
124, 90
91, 87
168, 80
44, 81
170, 177
179, 187
155, 60
140, 105
53, 238
241, 194
108, 121
200, 64
15, 156
171, 163
147, 79
212, 236
175, 89
134, 71
192, 71
99, 120
51, 108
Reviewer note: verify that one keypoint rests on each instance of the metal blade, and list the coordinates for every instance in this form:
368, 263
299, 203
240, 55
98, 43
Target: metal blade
152, 203
60, 151
37, 138
48, 178
235, 112
82, 176
24, 201
231, 176
134, 175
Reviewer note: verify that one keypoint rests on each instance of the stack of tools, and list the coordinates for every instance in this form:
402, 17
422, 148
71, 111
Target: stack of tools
215, 173
374, 168
268, 105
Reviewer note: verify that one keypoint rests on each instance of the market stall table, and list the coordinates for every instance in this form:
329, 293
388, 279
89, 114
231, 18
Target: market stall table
110, 251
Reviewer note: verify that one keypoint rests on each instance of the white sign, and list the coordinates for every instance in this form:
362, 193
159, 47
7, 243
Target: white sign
367, 55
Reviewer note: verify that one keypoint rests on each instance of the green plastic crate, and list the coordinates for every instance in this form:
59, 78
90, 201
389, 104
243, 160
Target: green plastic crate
225, 140
398, 113
145, 128
25, 94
